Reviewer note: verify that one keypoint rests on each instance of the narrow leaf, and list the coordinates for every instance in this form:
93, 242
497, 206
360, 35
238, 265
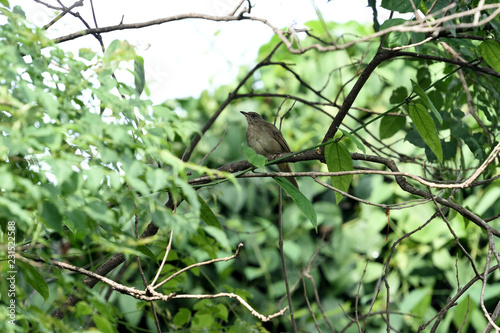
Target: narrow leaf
207, 215
139, 76
355, 140
147, 252
427, 101
426, 128
339, 159
300, 200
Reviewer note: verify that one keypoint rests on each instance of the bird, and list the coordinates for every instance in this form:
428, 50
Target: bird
265, 139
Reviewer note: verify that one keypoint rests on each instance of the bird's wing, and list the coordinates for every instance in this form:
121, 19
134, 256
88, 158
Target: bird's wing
281, 140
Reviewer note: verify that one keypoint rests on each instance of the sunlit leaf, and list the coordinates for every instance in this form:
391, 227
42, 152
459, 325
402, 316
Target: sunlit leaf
139, 76
355, 140
255, 159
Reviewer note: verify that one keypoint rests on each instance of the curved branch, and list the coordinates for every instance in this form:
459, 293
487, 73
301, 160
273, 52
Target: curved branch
189, 150
122, 26
400, 179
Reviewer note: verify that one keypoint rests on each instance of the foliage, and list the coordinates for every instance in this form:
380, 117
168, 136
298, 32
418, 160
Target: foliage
87, 163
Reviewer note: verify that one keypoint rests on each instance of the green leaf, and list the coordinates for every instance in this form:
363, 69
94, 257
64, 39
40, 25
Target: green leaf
300, 200
490, 51
355, 140
219, 236
157, 179
34, 279
15, 209
399, 95
255, 159
395, 38
425, 126
400, 6
207, 215
147, 252
86, 54
222, 313
118, 51
48, 102
339, 159
51, 215
103, 324
77, 220
182, 317
427, 101
139, 77
390, 125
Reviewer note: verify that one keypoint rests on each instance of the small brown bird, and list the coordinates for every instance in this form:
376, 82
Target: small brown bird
267, 140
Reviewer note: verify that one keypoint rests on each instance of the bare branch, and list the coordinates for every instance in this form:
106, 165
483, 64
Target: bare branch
198, 264
169, 246
145, 294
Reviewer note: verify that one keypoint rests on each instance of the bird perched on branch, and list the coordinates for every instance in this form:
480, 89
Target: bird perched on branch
267, 140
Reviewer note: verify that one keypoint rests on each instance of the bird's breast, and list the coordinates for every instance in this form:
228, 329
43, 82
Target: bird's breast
263, 144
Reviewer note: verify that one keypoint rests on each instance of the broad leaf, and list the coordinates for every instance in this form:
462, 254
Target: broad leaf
255, 159
34, 279
398, 95
339, 159
490, 51
395, 38
390, 125
51, 215
400, 6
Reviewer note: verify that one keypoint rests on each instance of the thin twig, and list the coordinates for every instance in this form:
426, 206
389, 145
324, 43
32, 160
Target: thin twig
169, 246
283, 263
311, 312
198, 264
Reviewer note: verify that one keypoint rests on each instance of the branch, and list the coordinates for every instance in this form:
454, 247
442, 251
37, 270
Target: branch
198, 264
232, 94
403, 184
102, 270
349, 100
428, 26
122, 26
145, 294
470, 182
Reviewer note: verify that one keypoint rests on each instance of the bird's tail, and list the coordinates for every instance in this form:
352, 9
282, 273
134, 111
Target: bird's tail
285, 167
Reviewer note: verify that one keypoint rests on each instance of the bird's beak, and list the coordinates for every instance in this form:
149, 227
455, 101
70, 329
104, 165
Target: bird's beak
244, 113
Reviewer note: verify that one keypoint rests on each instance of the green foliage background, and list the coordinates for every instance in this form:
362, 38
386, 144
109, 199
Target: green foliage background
86, 159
